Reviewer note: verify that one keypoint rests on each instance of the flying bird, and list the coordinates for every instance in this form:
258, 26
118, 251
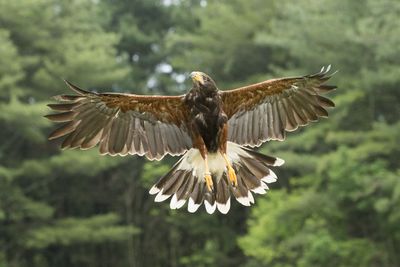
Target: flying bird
213, 130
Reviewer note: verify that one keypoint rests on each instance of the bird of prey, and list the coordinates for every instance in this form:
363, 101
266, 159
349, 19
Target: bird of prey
214, 130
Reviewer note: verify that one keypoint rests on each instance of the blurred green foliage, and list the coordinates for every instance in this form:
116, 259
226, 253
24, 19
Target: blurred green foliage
336, 203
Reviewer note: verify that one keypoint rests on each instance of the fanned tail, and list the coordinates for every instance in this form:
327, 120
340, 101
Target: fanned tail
185, 181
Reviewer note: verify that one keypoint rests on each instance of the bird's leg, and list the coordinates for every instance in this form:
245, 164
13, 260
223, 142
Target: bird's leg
207, 175
223, 148
231, 172
199, 144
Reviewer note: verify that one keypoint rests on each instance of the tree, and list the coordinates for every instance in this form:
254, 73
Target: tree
337, 197
340, 213
41, 43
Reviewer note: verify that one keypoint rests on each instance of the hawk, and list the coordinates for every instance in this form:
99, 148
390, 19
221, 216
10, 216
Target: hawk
213, 130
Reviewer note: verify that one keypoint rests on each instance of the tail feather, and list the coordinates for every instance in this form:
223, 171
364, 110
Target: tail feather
250, 180
177, 178
269, 160
222, 196
198, 193
241, 192
185, 181
186, 188
164, 179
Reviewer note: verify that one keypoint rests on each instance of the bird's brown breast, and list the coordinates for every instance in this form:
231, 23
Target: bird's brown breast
206, 116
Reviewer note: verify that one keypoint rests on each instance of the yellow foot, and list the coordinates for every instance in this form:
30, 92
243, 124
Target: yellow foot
209, 181
231, 171
232, 176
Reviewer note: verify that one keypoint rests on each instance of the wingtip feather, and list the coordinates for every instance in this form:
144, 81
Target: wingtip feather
75, 88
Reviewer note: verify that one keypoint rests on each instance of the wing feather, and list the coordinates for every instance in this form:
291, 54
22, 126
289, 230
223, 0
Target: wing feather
256, 123
270, 123
291, 124
265, 111
122, 123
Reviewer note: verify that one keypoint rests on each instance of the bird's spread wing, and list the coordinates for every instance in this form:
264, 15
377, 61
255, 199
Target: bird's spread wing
264, 111
122, 123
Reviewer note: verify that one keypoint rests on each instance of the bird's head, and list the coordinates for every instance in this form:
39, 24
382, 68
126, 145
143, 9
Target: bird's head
203, 81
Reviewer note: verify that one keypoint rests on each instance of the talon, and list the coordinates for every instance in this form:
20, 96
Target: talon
231, 171
209, 181
232, 176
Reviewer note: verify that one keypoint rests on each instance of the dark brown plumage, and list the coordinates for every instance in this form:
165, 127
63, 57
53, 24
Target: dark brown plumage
209, 126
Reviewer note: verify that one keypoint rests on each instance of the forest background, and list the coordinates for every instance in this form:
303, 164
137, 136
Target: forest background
338, 197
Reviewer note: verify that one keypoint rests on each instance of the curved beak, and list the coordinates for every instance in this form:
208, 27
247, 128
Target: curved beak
197, 77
